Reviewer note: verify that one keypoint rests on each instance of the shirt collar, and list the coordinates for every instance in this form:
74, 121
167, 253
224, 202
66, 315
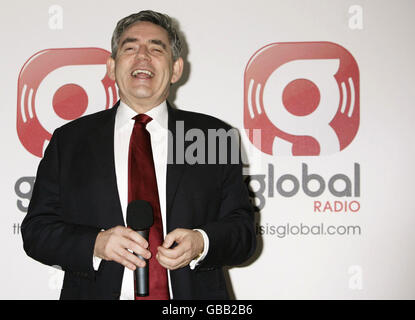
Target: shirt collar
159, 114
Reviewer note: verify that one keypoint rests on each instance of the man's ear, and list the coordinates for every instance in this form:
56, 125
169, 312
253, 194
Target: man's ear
111, 68
177, 70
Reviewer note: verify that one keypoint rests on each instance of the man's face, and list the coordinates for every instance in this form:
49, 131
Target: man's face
143, 68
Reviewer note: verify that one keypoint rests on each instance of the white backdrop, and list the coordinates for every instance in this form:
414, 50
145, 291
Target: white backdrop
373, 260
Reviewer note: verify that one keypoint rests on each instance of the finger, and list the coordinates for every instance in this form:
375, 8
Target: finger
172, 237
169, 263
125, 262
129, 258
133, 246
174, 253
136, 237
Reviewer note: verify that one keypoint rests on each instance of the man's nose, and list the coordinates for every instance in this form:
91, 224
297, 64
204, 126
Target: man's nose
143, 53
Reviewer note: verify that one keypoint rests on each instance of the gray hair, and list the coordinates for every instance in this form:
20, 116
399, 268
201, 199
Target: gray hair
157, 18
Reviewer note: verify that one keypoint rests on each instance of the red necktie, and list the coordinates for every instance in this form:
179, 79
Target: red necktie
142, 185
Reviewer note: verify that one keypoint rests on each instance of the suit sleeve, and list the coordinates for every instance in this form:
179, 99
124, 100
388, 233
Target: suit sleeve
47, 238
232, 238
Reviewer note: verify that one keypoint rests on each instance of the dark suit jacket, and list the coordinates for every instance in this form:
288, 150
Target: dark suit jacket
75, 196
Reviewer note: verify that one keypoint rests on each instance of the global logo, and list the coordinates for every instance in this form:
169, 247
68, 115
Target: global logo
56, 86
303, 97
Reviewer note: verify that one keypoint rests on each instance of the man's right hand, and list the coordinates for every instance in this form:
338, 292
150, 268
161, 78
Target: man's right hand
113, 245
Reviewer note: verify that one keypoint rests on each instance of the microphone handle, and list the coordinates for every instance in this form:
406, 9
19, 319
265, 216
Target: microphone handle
141, 284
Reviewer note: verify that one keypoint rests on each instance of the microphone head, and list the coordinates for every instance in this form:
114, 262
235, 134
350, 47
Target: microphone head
139, 215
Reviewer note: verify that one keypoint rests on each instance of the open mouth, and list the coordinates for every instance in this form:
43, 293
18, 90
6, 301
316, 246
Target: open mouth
142, 74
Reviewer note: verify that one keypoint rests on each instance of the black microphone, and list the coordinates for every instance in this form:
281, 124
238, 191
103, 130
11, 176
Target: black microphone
140, 219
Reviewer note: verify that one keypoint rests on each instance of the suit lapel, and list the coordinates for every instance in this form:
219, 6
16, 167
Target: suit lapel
174, 171
101, 143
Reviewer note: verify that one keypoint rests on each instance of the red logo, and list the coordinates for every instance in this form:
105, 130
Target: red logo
304, 98
59, 85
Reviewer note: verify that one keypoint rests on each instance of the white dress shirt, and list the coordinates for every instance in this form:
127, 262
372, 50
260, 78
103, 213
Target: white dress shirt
158, 129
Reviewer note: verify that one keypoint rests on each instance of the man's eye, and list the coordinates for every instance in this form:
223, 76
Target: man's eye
129, 49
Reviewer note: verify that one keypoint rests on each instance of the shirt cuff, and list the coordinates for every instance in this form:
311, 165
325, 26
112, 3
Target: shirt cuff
96, 262
195, 262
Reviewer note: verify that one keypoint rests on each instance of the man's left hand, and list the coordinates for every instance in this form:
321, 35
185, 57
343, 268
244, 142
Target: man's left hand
189, 246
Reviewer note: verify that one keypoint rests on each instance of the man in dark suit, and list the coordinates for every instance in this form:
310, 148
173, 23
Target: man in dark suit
76, 217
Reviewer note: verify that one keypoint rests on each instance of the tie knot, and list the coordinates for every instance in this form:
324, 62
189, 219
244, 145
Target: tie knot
142, 119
